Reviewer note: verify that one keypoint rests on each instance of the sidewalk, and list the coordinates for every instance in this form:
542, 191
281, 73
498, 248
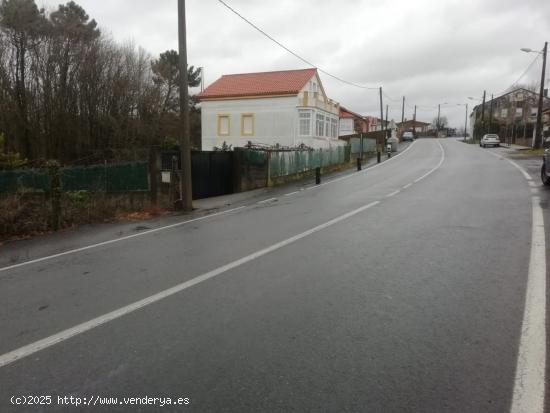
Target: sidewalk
234, 200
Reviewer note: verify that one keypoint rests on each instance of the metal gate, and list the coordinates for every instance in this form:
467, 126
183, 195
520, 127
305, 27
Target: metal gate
211, 172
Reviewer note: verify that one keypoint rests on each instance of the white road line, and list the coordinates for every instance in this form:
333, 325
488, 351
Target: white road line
363, 170
529, 380
112, 241
292, 193
32, 348
518, 167
265, 201
407, 186
530, 370
61, 336
100, 244
436, 167
393, 193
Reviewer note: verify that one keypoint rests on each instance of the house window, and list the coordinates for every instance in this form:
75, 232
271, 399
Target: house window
333, 127
304, 123
224, 125
319, 125
247, 124
327, 126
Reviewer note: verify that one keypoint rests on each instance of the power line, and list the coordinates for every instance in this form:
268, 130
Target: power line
293, 53
521, 77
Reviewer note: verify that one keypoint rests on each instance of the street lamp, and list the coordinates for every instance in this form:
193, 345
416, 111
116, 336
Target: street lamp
538, 132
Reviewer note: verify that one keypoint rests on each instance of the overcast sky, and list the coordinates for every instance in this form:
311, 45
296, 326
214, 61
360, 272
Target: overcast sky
431, 51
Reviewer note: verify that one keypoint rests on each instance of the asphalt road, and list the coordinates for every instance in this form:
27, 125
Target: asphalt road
349, 297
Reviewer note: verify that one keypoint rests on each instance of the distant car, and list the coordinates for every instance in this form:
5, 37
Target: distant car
407, 136
490, 139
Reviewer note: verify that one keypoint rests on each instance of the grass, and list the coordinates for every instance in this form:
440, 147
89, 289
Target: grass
530, 152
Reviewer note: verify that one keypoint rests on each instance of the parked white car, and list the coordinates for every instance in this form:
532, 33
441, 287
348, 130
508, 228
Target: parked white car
490, 139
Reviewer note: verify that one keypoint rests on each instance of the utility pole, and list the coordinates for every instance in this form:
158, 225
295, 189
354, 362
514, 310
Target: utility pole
438, 114
538, 133
466, 123
403, 112
381, 120
414, 121
387, 129
491, 114
483, 116
186, 192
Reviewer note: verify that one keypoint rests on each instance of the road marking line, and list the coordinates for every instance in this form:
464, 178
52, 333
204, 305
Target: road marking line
393, 193
407, 186
265, 201
57, 338
292, 193
518, 167
530, 369
529, 383
436, 167
112, 241
353, 174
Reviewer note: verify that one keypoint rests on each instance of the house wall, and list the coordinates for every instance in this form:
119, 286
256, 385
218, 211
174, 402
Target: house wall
274, 121
346, 127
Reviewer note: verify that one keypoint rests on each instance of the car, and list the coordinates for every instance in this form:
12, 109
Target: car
407, 136
490, 139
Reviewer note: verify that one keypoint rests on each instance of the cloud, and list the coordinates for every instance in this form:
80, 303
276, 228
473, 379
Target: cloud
431, 51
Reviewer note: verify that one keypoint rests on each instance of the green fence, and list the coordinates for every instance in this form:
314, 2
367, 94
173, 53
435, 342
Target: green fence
293, 162
123, 177
369, 145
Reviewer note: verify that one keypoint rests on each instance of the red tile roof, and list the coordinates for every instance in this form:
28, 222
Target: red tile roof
288, 82
346, 113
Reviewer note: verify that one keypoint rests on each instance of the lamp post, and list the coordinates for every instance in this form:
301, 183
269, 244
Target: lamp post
538, 132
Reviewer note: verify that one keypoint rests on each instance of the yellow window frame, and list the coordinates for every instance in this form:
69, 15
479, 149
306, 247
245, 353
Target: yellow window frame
253, 117
219, 117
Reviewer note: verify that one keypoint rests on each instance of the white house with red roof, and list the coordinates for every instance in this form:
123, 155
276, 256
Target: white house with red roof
288, 108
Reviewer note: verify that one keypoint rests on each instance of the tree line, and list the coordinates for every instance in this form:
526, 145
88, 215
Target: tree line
71, 93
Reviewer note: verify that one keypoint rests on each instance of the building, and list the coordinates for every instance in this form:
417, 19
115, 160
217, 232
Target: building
375, 124
419, 127
285, 108
352, 123
512, 116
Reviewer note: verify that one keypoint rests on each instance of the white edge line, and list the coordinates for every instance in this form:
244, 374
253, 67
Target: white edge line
531, 364
292, 193
265, 201
525, 174
407, 186
112, 241
42, 344
351, 175
529, 383
25, 351
393, 193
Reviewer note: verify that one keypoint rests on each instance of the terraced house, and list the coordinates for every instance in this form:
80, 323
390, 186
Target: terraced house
285, 108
